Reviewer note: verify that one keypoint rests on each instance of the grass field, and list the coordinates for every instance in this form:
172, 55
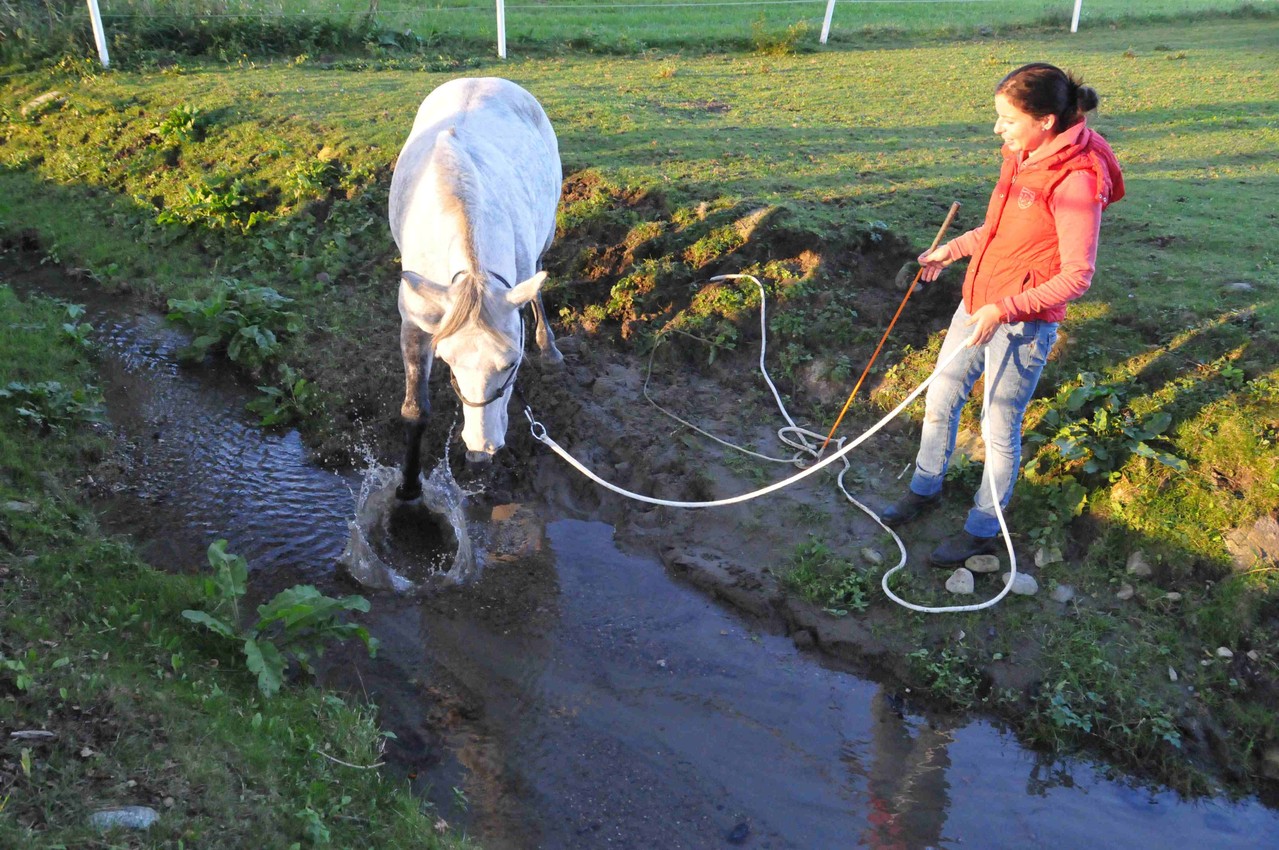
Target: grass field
821, 172
613, 26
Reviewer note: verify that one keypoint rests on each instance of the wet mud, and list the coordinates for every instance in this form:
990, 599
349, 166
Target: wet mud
586, 686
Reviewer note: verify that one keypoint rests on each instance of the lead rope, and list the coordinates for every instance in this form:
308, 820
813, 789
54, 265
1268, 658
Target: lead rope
539, 433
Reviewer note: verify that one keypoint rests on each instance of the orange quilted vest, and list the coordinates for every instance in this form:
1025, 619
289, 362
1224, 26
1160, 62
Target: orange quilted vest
1019, 248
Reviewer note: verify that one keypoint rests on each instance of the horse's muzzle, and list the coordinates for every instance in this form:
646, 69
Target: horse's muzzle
479, 458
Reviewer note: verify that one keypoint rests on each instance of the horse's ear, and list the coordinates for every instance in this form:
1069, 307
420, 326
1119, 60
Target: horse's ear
422, 286
526, 291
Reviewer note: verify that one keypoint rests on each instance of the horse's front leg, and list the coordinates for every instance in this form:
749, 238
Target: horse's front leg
415, 346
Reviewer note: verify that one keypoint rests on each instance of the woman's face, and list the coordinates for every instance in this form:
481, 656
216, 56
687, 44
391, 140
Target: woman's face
1021, 132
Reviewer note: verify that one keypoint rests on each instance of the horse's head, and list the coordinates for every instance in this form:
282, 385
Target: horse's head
480, 335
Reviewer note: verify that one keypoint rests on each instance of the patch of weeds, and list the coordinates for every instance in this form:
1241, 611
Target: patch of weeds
742, 465
964, 472
768, 42
76, 332
297, 399
183, 124
826, 580
948, 673
243, 320
218, 202
51, 407
292, 628
311, 178
1094, 431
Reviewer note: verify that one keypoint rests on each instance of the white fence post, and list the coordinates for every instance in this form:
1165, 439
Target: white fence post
830, 11
1074, 21
99, 36
501, 29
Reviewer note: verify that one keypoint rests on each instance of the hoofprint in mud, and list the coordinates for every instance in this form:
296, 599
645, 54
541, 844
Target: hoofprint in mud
472, 208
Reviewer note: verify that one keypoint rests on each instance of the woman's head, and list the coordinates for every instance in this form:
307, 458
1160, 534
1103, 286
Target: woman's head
1041, 90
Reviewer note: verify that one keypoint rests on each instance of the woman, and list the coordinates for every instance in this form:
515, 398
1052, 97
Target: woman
1036, 250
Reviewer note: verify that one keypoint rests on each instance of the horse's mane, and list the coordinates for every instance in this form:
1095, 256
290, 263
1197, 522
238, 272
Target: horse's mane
455, 176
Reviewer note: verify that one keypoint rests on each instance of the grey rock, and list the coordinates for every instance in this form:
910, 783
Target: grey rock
1138, 565
960, 582
1238, 286
1249, 546
1047, 555
46, 102
125, 817
1125, 592
1062, 593
1023, 585
983, 564
873, 556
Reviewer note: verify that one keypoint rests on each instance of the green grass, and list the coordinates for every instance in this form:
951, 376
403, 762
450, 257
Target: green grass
822, 173
144, 709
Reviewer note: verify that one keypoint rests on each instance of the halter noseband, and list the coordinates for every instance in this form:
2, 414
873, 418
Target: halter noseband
510, 380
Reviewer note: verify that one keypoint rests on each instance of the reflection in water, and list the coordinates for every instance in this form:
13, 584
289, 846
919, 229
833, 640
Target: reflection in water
906, 783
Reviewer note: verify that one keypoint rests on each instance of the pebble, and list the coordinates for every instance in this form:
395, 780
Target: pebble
983, 564
960, 582
1023, 585
873, 556
127, 817
1172, 596
1254, 655
1062, 593
19, 507
1125, 592
1138, 565
1224, 652
1238, 286
1047, 555
1172, 675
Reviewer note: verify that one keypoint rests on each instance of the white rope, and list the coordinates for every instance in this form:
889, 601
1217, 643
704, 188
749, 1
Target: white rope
539, 433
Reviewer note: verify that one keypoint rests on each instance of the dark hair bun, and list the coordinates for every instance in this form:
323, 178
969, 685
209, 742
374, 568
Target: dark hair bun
1086, 99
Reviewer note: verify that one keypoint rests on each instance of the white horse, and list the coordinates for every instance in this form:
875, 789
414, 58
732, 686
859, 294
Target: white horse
472, 209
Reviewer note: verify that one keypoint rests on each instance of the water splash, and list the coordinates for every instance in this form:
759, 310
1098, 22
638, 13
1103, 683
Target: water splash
408, 547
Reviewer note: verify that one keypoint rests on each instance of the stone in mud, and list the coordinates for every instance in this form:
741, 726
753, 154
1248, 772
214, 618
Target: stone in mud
1125, 592
1062, 593
1023, 585
873, 556
125, 817
1046, 555
960, 582
1138, 565
983, 564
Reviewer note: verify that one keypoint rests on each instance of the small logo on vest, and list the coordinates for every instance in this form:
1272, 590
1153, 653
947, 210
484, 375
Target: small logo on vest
1025, 199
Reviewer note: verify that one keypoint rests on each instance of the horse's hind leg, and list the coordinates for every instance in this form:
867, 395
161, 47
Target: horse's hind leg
543, 334
415, 346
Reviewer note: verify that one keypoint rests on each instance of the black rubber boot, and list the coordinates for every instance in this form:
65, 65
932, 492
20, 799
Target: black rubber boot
953, 551
907, 508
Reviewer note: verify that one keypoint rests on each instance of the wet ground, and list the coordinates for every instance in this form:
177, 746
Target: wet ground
576, 696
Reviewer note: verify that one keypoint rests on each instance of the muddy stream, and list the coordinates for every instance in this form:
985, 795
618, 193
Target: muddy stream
575, 696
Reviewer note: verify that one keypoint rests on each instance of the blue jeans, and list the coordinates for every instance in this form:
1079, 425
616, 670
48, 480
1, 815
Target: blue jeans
1018, 352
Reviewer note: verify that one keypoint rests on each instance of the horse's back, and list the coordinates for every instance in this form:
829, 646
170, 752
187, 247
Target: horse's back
506, 142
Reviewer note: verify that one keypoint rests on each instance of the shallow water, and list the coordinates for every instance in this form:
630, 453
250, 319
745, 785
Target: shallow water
577, 696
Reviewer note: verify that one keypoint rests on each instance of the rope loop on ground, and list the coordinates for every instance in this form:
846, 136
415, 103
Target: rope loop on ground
798, 437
